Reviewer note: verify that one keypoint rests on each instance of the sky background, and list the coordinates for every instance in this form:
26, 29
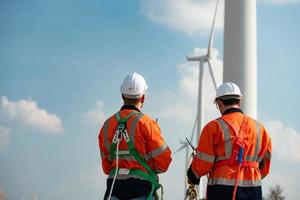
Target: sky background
62, 63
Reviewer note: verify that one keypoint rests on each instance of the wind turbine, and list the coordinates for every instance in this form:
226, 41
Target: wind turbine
202, 60
199, 117
185, 145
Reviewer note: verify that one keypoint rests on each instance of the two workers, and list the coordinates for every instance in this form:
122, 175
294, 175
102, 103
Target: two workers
234, 150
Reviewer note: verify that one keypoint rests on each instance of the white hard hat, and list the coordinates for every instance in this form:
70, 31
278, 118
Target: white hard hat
228, 90
133, 86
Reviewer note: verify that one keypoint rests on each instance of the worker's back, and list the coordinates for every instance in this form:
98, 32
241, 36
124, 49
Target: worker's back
234, 150
225, 137
148, 142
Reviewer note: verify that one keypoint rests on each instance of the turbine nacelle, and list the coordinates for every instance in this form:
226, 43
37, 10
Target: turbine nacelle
203, 58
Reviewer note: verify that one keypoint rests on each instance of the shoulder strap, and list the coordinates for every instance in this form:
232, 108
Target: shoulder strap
243, 128
124, 119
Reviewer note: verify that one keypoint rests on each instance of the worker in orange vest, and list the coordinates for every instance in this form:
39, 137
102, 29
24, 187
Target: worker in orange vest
132, 148
234, 150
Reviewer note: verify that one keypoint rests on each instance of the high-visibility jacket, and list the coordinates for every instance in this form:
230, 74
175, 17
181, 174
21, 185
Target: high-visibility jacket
146, 137
216, 143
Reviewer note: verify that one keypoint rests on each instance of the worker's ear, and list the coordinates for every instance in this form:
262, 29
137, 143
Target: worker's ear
143, 99
240, 103
219, 103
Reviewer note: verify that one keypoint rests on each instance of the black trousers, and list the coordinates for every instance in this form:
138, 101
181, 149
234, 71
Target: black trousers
223, 192
129, 188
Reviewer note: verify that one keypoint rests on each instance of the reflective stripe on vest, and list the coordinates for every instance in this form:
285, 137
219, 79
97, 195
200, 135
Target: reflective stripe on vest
156, 152
205, 157
267, 155
105, 134
228, 142
231, 182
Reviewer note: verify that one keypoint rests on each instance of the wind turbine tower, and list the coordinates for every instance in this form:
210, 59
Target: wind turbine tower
240, 50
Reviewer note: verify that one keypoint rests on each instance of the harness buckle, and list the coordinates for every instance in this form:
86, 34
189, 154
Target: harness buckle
119, 132
126, 136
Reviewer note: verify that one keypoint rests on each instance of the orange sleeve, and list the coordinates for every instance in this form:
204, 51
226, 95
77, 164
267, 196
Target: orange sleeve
158, 152
104, 152
204, 159
265, 154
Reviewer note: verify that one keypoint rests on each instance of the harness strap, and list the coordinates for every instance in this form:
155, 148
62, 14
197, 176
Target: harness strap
236, 157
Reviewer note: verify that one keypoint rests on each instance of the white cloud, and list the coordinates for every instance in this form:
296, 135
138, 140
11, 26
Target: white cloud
28, 114
280, 1
285, 155
287, 179
93, 178
4, 137
189, 16
97, 115
285, 141
91, 182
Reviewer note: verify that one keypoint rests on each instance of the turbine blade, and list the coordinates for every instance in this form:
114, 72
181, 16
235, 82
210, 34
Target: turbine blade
211, 73
182, 147
194, 128
211, 37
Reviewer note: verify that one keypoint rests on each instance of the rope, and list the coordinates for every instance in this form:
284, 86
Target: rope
117, 169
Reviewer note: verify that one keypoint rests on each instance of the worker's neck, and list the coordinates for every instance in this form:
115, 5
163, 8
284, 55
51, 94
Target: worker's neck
224, 108
138, 106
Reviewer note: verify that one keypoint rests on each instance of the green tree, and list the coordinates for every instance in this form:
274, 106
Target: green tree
275, 193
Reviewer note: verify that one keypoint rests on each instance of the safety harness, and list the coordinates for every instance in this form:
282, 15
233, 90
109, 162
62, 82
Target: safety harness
121, 133
237, 154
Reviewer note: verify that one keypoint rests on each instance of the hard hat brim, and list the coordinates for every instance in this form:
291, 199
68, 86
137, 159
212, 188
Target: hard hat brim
227, 97
131, 96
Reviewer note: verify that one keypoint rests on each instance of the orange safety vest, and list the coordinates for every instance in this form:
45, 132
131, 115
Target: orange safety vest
146, 136
217, 144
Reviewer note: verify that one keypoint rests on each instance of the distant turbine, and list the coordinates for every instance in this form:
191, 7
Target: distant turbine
185, 145
202, 60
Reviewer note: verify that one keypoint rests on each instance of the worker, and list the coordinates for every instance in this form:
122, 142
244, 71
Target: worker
132, 148
234, 150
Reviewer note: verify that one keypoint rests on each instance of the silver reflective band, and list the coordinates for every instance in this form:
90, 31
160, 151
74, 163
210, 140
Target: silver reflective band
105, 133
227, 138
102, 154
123, 152
124, 176
205, 157
137, 117
251, 158
231, 182
257, 147
156, 152
267, 155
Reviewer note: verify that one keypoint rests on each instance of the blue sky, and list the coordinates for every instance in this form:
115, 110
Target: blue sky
61, 65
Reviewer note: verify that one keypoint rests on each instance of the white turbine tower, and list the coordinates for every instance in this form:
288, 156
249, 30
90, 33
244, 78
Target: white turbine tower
207, 58
240, 64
